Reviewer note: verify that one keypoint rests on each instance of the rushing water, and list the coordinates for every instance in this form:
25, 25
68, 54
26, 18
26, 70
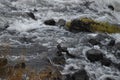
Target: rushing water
24, 33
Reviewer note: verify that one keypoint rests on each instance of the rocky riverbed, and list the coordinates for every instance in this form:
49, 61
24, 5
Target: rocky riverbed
34, 48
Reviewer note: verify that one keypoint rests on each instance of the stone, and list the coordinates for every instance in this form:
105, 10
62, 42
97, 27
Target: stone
111, 7
106, 62
61, 22
77, 25
20, 65
50, 22
79, 75
31, 15
93, 42
94, 55
117, 46
3, 62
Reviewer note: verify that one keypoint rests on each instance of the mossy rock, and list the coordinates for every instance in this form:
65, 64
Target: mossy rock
89, 25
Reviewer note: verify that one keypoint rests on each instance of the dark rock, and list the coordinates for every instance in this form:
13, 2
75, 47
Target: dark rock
35, 10
93, 42
64, 49
111, 7
31, 15
117, 65
106, 62
59, 60
20, 65
105, 39
50, 22
61, 22
94, 55
109, 78
3, 62
111, 42
77, 25
117, 46
79, 75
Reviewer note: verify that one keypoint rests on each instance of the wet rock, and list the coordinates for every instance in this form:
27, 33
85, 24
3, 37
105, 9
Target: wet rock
117, 65
109, 78
61, 22
76, 26
59, 60
79, 75
106, 62
89, 25
50, 22
105, 40
93, 41
94, 55
111, 7
3, 62
111, 42
64, 49
31, 15
117, 46
20, 65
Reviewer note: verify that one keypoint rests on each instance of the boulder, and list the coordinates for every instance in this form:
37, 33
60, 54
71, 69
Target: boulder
50, 22
94, 55
90, 25
79, 75
77, 25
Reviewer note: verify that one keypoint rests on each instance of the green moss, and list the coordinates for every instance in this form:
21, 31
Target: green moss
95, 26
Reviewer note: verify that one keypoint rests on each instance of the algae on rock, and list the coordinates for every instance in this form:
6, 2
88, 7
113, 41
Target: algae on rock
90, 25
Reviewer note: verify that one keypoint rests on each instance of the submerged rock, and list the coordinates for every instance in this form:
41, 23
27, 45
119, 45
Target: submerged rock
94, 55
50, 22
61, 22
89, 25
79, 75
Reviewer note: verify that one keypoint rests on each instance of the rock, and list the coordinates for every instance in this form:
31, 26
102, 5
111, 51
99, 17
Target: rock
77, 26
50, 22
93, 42
94, 55
3, 62
20, 65
105, 40
31, 15
111, 42
106, 62
109, 78
64, 49
61, 22
111, 7
117, 46
90, 25
59, 60
79, 75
